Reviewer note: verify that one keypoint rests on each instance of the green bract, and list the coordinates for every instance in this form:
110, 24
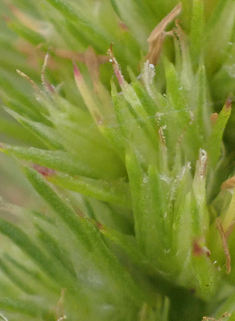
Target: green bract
115, 112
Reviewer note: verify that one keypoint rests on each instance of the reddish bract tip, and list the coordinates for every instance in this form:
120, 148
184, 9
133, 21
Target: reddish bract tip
49, 87
77, 74
45, 171
199, 250
116, 67
228, 103
99, 225
213, 118
123, 26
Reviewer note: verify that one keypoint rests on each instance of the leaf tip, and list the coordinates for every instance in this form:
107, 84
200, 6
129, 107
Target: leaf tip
116, 67
228, 103
45, 171
199, 249
77, 73
213, 118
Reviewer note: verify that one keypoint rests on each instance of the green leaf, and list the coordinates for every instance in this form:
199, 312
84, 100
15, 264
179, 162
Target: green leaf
58, 160
197, 31
136, 177
89, 237
46, 134
128, 244
147, 101
31, 36
34, 276
175, 92
16, 131
142, 117
203, 109
112, 192
136, 130
159, 220
140, 31
55, 250
61, 209
47, 265
27, 307
15, 278
215, 139
84, 23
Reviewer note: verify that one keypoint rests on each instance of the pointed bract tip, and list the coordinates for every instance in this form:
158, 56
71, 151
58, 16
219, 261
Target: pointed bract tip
50, 88
22, 74
199, 249
99, 225
116, 67
77, 73
228, 103
45, 171
213, 118
123, 26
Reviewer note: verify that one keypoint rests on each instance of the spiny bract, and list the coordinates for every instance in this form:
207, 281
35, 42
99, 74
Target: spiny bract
115, 112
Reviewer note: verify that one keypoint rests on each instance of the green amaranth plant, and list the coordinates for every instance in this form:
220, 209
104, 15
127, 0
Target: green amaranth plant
133, 216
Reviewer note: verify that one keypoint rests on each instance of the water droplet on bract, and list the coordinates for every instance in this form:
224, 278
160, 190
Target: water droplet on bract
165, 178
145, 180
230, 70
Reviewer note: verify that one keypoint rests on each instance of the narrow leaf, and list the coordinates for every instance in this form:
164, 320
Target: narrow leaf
46, 134
112, 192
215, 139
35, 253
58, 160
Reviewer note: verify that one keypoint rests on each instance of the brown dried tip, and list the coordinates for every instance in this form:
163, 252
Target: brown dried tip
36, 88
199, 250
81, 57
47, 86
77, 73
158, 34
228, 103
99, 225
89, 57
116, 67
213, 118
226, 314
45, 171
228, 184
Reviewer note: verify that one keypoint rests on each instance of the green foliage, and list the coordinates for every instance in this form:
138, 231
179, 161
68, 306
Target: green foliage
133, 213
